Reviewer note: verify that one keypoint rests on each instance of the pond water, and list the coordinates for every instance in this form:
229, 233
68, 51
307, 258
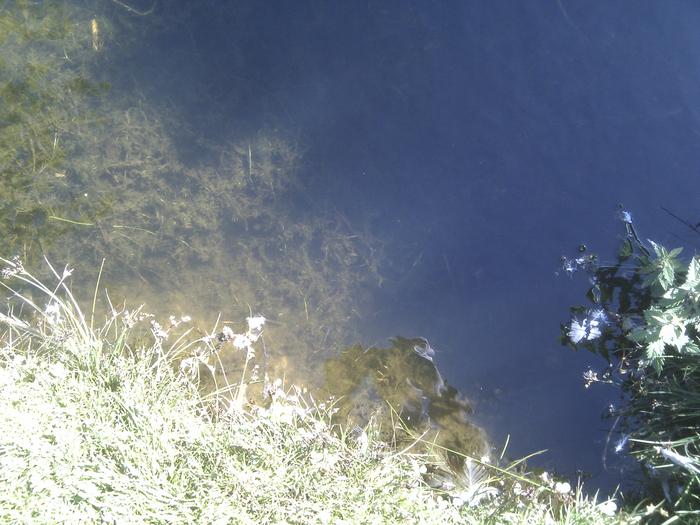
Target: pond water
357, 171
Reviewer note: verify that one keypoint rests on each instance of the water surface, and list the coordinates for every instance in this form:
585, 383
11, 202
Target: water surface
357, 171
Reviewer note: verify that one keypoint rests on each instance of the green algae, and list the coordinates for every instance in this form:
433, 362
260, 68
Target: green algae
94, 170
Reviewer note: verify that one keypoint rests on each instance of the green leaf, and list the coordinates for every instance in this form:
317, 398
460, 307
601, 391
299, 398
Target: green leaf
640, 334
655, 354
692, 277
666, 276
691, 348
659, 250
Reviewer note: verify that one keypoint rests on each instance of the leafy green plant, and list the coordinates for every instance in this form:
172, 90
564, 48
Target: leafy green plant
645, 322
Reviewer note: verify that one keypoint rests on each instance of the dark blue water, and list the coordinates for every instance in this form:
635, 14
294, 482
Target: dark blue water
479, 141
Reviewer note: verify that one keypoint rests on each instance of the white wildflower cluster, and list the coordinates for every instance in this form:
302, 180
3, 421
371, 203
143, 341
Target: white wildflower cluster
190, 366
285, 407
131, 317
537, 494
14, 267
589, 377
608, 507
589, 328
158, 332
569, 266
324, 460
562, 488
244, 341
174, 321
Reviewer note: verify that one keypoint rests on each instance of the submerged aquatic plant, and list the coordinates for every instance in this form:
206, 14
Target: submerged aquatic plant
95, 167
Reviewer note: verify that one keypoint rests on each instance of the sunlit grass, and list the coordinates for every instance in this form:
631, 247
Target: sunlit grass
97, 428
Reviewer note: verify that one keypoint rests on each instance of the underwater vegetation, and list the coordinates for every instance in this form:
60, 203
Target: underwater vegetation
94, 170
46, 97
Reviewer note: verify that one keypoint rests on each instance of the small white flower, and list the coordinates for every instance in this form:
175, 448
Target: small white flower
562, 487
241, 341
593, 330
255, 323
255, 327
588, 329
599, 315
158, 332
577, 330
174, 321
608, 507
625, 217
227, 333
363, 444
325, 516
590, 377
14, 267
190, 366
58, 371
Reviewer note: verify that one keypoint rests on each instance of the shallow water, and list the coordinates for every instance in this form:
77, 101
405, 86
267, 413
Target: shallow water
360, 171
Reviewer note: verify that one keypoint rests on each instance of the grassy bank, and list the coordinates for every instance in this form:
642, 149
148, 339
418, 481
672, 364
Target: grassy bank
98, 427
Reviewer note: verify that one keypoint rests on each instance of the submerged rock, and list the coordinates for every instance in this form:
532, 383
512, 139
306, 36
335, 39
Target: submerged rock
402, 390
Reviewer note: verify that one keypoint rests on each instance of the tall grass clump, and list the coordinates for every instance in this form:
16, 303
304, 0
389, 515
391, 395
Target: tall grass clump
104, 425
646, 323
